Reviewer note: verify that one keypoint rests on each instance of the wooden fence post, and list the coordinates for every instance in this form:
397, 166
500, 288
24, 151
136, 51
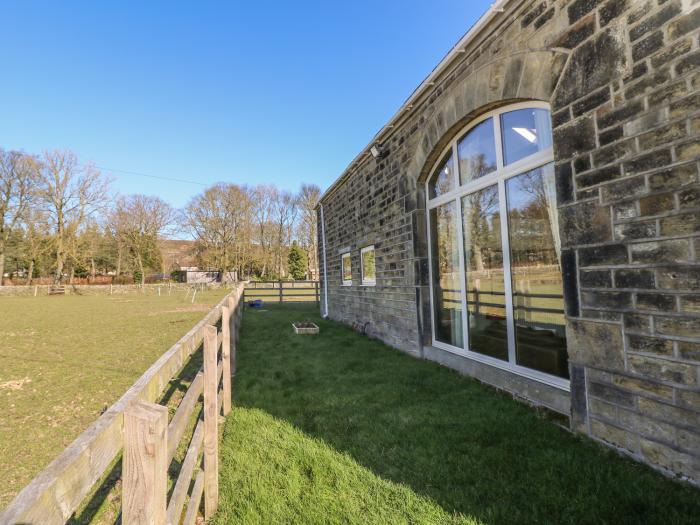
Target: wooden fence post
233, 330
226, 356
318, 295
211, 419
239, 317
145, 464
281, 297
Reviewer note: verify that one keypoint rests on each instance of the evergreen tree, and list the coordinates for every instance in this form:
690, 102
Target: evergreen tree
296, 262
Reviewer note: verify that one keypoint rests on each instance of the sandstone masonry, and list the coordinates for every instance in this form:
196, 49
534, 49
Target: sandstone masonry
623, 84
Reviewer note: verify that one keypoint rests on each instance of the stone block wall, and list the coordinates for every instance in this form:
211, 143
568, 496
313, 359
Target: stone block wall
368, 210
626, 117
622, 80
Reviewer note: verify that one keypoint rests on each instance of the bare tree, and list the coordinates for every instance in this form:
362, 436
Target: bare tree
139, 221
35, 240
88, 248
220, 219
114, 239
70, 194
309, 196
18, 174
285, 213
264, 198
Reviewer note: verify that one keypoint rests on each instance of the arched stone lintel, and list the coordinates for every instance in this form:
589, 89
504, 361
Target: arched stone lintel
530, 75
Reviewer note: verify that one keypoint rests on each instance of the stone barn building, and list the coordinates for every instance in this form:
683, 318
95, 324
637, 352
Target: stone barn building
530, 217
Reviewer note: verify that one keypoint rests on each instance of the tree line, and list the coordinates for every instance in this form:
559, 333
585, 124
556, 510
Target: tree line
60, 219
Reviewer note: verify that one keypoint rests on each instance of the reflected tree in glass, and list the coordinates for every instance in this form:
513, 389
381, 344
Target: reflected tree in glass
347, 267
483, 255
477, 152
369, 273
535, 251
447, 288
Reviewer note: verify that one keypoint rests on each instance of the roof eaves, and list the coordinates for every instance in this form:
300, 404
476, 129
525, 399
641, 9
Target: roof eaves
408, 105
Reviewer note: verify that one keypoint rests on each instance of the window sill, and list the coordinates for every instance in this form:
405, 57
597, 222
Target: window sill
535, 375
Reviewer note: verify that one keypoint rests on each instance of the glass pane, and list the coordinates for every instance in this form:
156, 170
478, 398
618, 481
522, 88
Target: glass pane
535, 248
525, 131
443, 180
447, 288
477, 152
483, 255
368, 267
347, 268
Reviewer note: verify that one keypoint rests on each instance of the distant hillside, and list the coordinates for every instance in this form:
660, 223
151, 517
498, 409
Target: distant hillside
177, 254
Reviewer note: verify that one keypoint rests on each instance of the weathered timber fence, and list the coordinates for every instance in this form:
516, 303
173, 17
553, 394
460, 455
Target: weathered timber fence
110, 289
529, 304
138, 427
283, 291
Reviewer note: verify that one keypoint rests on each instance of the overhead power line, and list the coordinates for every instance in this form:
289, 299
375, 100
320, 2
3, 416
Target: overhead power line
138, 174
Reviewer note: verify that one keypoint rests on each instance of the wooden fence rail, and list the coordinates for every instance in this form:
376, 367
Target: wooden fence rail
283, 291
139, 427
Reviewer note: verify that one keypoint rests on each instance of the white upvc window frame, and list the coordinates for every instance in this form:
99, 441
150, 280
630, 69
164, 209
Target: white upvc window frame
343, 280
367, 281
497, 177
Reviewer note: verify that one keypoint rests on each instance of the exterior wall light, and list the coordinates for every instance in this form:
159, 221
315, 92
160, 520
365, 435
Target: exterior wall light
377, 151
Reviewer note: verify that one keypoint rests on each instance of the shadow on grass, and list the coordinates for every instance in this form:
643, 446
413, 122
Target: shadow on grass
472, 451
279, 474
103, 505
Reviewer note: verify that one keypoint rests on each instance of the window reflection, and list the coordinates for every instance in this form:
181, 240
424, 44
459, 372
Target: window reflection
481, 224
346, 268
525, 131
443, 180
447, 288
533, 277
369, 271
538, 304
477, 152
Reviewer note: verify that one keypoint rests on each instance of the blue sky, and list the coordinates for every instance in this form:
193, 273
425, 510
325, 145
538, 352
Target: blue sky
243, 92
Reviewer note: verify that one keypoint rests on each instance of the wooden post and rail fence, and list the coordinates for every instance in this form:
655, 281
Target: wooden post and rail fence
138, 428
283, 291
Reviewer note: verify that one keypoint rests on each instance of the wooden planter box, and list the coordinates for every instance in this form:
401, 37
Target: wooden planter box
305, 328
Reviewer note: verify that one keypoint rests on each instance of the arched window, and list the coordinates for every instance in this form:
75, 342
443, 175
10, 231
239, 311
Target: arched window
494, 245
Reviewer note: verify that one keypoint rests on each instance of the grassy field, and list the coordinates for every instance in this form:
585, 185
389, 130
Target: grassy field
64, 359
338, 428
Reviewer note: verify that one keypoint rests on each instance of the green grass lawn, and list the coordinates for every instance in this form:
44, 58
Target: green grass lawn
338, 428
64, 359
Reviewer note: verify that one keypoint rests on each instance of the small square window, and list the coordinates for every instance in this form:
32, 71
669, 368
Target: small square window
368, 266
346, 264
